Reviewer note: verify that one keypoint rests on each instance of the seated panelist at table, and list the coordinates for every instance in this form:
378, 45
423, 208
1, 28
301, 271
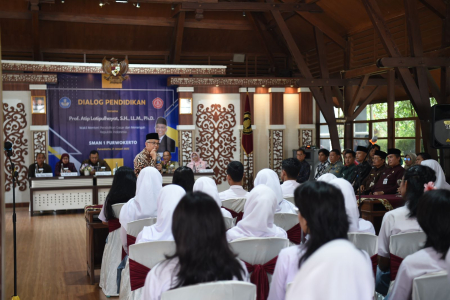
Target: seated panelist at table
65, 165
391, 178
197, 163
39, 166
95, 162
167, 164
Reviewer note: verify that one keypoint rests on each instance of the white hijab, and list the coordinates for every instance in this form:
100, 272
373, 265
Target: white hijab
337, 271
327, 177
144, 204
351, 207
440, 182
208, 186
168, 200
269, 178
259, 210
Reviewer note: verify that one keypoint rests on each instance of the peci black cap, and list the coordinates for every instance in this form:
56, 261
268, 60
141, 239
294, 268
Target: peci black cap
152, 136
361, 148
381, 154
161, 120
394, 151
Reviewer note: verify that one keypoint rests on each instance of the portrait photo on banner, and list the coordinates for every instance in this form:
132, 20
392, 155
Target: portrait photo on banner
84, 117
38, 105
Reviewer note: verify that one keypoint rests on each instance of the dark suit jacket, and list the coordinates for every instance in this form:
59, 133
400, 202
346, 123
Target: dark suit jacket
102, 164
167, 144
32, 169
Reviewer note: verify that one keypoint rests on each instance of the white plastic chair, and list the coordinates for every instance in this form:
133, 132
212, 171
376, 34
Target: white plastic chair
258, 251
367, 242
133, 229
112, 256
148, 254
289, 198
229, 222
431, 286
404, 244
236, 205
286, 221
220, 290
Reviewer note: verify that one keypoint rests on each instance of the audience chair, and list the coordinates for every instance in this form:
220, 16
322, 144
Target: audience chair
141, 259
431, 286
112, 255
260, 256
220, 290
289, 222
235, 207
367, 242
289, 198
229, 222
133, 229
402, 245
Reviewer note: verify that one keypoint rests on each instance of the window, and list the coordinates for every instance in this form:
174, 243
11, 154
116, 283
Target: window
324, 140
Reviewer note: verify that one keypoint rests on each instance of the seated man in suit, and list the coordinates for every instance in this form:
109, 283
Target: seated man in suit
39, 164
167, 162
95, 162
165, 142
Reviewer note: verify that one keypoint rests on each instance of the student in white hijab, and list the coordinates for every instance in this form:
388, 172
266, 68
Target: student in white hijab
337, 271
258, 217
144, 204
357, 224
208, 186
326, 177
440, 182
168, 200
269, 178
324, 220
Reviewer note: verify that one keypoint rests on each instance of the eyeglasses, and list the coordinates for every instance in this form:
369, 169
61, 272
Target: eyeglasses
154, 143
407, 159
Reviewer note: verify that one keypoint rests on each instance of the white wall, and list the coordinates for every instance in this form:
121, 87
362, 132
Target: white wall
261, 134
224, 100
12, 98
291, 120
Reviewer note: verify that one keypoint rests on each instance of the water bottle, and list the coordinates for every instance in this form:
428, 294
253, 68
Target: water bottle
158, 159
116, 168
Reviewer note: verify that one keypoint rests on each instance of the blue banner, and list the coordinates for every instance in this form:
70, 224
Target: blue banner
83, 116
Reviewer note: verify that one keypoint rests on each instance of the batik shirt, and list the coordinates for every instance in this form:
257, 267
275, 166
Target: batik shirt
143, 160
320, 169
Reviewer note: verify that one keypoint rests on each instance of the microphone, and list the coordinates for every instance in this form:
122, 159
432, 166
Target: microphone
373, 140
8, 148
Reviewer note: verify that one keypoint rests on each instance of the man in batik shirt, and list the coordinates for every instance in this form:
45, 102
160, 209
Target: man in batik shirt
147, 157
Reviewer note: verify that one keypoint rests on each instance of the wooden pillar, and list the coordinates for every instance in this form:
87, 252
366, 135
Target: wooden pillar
276, 129
247, 161
2, 200
39, 127
186, 126
349, 93
390, 112
307, 128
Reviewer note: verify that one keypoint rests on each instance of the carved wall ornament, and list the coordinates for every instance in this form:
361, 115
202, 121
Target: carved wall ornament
227, 81
216, 142
115, 71
14, 124
30, 78
306, 137
187, 146
276, 150
39, 143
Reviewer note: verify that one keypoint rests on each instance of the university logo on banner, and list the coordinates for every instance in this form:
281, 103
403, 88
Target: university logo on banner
65, 102
158, 103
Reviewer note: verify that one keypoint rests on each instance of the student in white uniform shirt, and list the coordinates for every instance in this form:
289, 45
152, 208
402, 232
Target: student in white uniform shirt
144, 204
269, 178
433, 217
208, 186
202, 253
324, 220
168, 200
259, 210
401, 220
235, 173
290, 168
356, 223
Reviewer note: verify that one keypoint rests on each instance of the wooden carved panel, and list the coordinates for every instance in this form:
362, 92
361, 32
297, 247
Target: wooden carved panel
276, 150
305, 137
187, 146
216, 142
39, 143
14, 124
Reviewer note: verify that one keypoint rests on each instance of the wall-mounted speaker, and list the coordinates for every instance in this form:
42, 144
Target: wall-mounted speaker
440, 126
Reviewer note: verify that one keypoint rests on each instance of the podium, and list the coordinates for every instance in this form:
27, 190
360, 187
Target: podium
374, 207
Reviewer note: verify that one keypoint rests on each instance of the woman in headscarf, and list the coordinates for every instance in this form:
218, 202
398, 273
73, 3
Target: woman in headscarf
356, 223
197, 163
208, 186
410, 160
440, 182
269, 178
258, 220
64, 164
144, 204
168, 200
324, 220
327, 177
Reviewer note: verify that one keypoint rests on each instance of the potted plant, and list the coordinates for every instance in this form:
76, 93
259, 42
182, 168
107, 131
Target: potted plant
86, 168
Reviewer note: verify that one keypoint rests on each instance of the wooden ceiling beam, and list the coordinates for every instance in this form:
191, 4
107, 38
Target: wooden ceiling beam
262, 40
358, 94
322, 57
411, 62
252, 6
445, 71
436, 6
178, 39
366, 102
127, 20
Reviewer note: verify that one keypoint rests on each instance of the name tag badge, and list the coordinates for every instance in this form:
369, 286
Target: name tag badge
385, 181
